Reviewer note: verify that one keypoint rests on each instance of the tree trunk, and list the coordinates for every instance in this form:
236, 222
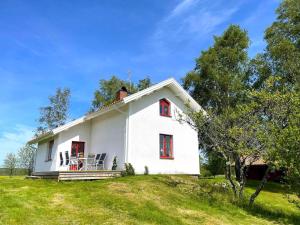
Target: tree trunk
242, 181
11, 172
228, 175
259, 187
237, 168
243, 170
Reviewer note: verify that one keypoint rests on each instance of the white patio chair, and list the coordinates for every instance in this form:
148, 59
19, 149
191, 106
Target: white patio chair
100, 162
91, 162
61, 159
73, 162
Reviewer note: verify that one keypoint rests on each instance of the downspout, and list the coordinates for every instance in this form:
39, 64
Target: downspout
127, 134
35, 156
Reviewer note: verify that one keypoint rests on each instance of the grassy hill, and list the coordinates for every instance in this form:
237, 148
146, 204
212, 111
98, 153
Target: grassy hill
139, 200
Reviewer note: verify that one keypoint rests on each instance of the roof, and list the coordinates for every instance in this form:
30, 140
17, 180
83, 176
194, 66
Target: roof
170, 83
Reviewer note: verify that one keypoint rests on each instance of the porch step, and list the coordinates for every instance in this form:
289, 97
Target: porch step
76, 175
46, 175
33, 177
88, 175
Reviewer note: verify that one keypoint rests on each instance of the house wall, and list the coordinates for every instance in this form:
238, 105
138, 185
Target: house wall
132, 134
108, 136
62, 143
104, 134
41, 164
81, 132
145, 125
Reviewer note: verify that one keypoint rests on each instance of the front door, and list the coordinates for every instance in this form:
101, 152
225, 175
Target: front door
77, 149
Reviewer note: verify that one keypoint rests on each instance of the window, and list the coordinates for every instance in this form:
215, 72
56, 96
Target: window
166, 146
50, 148
164, 108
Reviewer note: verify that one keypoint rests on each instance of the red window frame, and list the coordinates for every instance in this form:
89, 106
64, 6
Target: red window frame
163, 150
162, 104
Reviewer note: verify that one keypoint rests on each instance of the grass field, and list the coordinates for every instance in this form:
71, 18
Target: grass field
139, 200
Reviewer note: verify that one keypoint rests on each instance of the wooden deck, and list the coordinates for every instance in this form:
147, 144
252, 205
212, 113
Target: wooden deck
77, 175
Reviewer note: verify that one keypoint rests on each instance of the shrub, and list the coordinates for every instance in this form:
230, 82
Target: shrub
129, 170
204, 172
146, 170
115, 165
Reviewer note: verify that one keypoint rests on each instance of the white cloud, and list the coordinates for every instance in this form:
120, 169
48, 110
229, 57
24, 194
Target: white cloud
14, 139
189, 21
182, 7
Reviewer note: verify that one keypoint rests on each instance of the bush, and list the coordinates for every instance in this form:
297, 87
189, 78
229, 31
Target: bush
115, 165
204, 172
129, 170
215, 164
146, 170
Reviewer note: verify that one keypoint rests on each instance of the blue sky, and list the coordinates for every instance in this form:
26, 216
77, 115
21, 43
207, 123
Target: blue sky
50, 44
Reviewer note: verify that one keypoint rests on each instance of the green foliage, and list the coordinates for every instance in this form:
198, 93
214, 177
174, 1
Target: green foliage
108, 88
282, 54
204, 172
280, 95
56, 114
10, 162
143, 84
215, 164
218, 78
115, 165
266, 127
129, 170
253, 107
146, 170
26, 156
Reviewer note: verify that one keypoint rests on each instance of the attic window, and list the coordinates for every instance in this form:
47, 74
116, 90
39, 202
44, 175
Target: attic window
164, 107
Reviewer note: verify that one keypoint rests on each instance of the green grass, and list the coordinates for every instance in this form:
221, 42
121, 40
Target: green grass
139, 200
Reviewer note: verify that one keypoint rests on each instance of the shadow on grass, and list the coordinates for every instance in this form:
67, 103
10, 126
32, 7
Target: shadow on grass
270, 186
267, 213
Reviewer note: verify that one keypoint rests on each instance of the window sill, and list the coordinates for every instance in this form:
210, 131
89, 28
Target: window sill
166, 116
171, 158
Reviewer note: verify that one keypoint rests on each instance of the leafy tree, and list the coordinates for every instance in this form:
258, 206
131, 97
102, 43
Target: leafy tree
277, 110
266, 127
26, 157
281, 59
282, 54
252, 110
143, 84
107, 90
219, 78
10, 162
56, 114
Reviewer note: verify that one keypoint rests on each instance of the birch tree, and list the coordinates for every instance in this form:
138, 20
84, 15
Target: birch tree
10, 162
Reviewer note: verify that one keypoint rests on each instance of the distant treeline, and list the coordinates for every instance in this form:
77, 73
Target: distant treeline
17, 172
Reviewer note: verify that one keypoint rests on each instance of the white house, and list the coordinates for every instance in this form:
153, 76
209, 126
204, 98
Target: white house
142, 129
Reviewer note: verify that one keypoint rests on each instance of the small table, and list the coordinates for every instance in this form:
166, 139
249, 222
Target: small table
85, 162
